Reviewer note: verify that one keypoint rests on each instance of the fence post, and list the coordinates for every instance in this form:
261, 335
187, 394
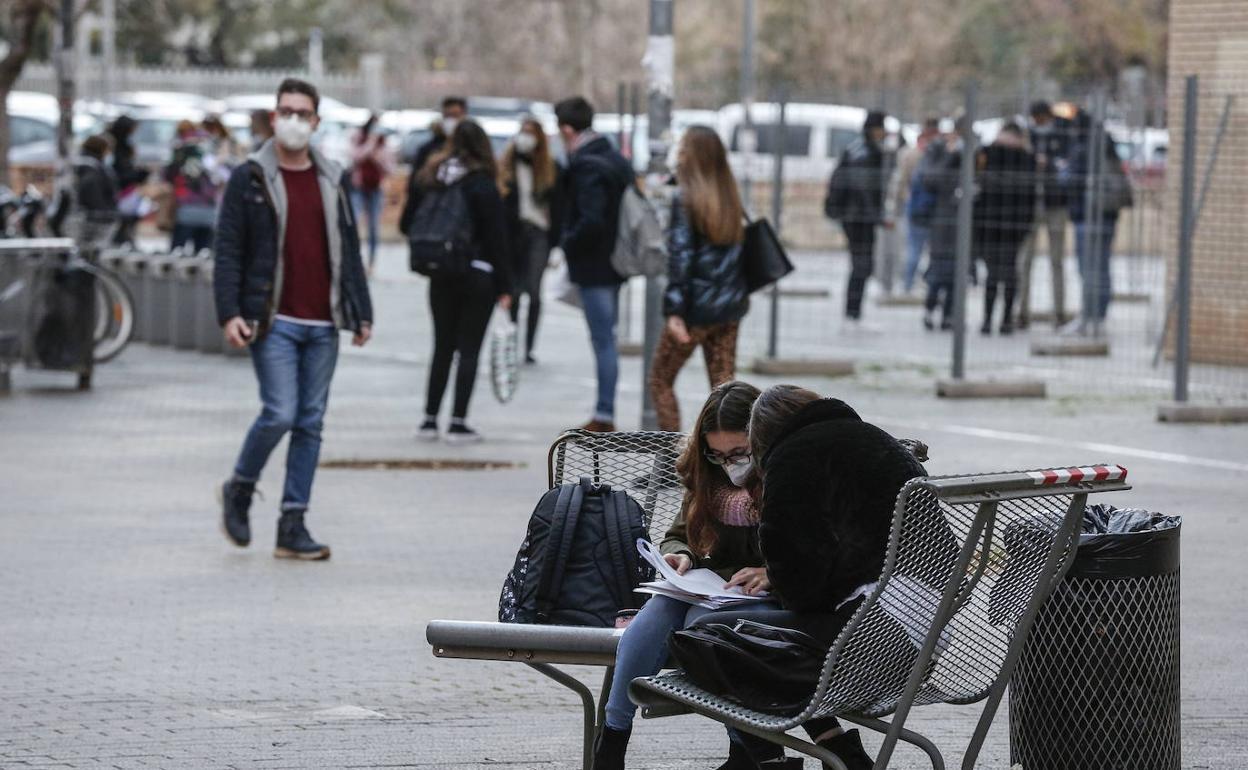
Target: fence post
1182, 349
660, 62
966, 200
777, 211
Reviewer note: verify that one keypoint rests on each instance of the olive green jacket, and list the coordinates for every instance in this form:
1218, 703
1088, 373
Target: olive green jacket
735, 547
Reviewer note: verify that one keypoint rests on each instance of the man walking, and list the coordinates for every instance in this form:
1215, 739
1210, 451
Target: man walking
287, 277
913, 200
856, 198
1050, 141
454, 109
596, 179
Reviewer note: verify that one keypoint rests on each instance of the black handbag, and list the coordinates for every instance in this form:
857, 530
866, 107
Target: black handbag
764, 668
764, 258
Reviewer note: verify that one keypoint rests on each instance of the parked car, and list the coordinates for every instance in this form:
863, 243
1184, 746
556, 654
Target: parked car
33, 120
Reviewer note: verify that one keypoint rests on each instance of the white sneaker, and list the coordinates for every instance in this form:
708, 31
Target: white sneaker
428, 431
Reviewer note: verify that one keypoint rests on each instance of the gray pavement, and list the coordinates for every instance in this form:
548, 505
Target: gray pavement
133, 635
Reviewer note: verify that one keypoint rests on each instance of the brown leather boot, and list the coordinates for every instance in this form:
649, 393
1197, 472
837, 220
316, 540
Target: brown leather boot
599, 426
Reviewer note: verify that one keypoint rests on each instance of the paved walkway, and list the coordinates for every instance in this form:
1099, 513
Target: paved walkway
134, 636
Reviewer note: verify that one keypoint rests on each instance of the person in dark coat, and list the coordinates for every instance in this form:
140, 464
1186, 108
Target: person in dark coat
596, 179
454, 109
939, 171
1004, 207
461, 305
127, 174
829, 485
856, 197
95, 186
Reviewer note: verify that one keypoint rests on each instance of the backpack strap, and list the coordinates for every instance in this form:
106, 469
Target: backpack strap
614, 506
562, 534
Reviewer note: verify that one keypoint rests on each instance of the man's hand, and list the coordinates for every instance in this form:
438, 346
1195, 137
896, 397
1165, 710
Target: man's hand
361, 338
504, 301
237, 332
679, 561
751, 579
676, 327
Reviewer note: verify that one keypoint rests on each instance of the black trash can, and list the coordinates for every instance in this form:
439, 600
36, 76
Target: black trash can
1097, 686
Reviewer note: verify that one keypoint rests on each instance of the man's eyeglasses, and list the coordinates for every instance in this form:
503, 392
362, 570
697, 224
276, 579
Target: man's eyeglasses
289, 112
715, 458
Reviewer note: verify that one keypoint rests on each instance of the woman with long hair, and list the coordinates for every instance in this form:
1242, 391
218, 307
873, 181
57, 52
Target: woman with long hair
461, 304
530, 182
706, 291
717, 529
370, 164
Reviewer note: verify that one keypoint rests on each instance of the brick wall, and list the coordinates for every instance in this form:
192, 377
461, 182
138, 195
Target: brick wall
1209, 38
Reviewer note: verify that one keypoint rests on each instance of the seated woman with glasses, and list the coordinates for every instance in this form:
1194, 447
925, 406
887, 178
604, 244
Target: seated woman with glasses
717, 529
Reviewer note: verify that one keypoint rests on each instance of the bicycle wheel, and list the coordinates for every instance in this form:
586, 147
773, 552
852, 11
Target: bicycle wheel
114, 314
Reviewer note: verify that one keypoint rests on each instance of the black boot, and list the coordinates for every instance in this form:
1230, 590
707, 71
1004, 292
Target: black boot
609, 749
748, 752
235, 499
848, 747
295, 542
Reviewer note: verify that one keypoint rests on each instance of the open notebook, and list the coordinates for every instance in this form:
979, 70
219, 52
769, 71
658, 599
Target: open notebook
701, 587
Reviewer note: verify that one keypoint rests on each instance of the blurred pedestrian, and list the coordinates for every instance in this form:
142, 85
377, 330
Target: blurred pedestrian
227, 151
1095, 228
706, 294
129, 177
95, 192
597, 177
454, 109
912, 200
856, 198
1004, 206
1050, 141
287, 276
261, 128
939, 174
531, 187
195, 188
461, 303
370, 165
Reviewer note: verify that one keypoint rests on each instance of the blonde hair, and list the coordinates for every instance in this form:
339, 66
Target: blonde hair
710, 191
543, 163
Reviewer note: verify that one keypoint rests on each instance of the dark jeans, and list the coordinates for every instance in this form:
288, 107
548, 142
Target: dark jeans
1094, 268
531, 253
935, 289
461, 307
294, 364
861, 237
199, 236
1001, 257
367, 204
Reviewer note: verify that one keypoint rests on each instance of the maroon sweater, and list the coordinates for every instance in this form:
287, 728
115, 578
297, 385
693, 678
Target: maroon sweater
305, 255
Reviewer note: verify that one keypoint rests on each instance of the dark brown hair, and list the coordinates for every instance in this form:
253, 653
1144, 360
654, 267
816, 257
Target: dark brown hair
773, 408
710, 192
297, 86
543, 164
470, 145
726, 409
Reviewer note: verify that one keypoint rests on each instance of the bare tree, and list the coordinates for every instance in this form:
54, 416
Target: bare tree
24, 17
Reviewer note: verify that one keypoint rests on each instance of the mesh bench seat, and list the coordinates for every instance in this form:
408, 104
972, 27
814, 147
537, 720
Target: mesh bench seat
911, 643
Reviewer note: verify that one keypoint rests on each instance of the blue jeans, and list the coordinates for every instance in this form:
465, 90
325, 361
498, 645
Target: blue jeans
367, 205
1094, 273
916, 239
602, 309
643, 651
294, 365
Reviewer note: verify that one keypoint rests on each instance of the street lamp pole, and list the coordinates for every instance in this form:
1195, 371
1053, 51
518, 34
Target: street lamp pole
660, 65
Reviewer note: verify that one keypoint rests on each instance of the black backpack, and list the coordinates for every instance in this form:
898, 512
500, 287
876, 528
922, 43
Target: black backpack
440, 237
578, 564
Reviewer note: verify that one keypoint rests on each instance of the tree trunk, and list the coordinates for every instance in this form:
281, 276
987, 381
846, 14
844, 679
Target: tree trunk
23, 21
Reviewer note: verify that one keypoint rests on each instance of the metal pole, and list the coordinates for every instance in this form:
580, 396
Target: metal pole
746, 139
660, 64
1182, 346
65, 74
966, 199
109, 12
777, 211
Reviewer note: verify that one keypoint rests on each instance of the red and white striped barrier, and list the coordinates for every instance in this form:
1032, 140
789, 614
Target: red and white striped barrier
1091, 473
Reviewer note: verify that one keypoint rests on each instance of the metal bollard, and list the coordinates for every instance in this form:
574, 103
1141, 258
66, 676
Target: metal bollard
207, 332
132, 270
184, 280
157, 298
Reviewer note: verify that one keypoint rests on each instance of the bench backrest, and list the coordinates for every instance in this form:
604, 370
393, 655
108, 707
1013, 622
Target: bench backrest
969, 561
642, 463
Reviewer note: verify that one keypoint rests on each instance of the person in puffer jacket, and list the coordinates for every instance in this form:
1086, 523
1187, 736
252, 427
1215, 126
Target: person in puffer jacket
706, 292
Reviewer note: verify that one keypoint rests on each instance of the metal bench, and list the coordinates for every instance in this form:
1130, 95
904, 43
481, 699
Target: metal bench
644, 465
1017, 534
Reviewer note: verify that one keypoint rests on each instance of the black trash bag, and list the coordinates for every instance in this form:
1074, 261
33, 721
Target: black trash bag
61, 319
1125, 543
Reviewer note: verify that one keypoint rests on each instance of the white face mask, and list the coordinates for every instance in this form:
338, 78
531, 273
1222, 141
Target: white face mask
292, 133
449, 125
673, 157
739, 474
525, 142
